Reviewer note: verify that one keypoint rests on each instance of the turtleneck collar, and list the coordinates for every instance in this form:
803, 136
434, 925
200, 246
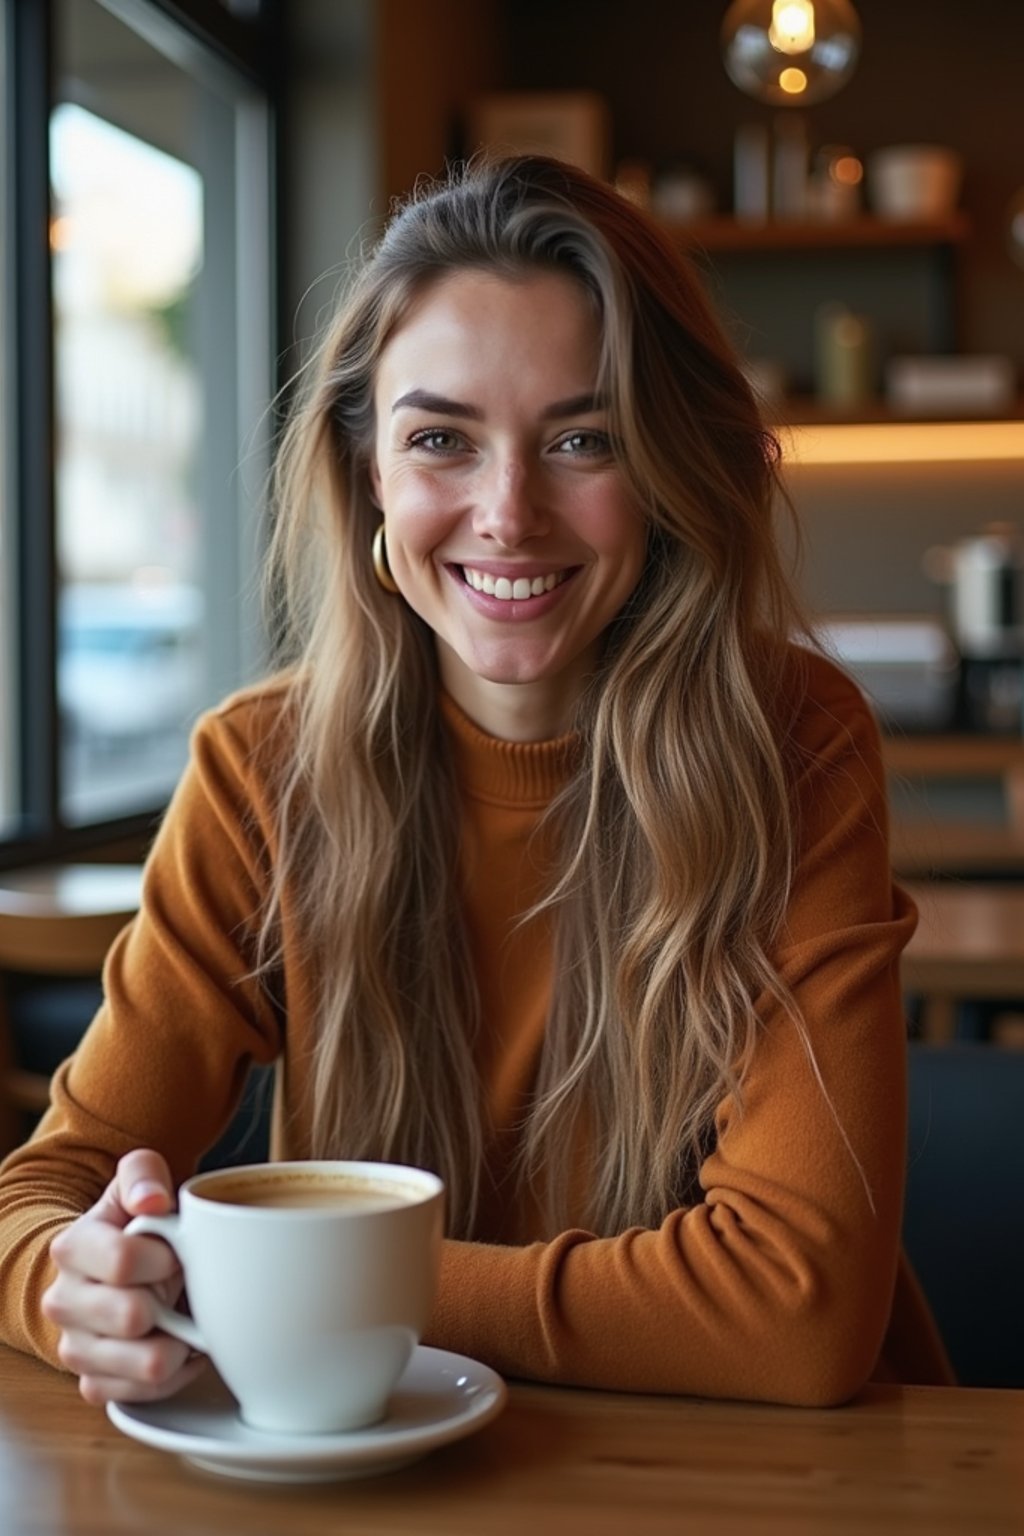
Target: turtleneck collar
507, 772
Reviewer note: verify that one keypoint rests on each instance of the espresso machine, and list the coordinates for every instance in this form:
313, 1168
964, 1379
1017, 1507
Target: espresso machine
984, 575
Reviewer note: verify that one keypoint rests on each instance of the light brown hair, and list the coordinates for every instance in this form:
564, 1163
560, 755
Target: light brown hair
676, 835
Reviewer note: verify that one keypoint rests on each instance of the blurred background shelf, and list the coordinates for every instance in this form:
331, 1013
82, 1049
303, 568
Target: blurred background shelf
729, 234
807, 410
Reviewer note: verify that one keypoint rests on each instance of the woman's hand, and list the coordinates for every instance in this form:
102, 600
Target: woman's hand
103, 1297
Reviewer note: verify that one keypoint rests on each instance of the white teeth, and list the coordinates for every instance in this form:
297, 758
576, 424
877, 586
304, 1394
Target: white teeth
506, 590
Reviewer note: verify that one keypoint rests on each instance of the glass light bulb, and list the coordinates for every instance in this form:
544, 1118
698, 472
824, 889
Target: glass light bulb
792, 26
790, 52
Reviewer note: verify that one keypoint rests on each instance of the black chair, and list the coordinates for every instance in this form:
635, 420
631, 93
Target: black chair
56, 924
964, 1217
247, 1138
46, 1018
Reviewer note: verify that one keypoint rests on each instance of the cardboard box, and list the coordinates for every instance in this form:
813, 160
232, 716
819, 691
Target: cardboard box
574, 126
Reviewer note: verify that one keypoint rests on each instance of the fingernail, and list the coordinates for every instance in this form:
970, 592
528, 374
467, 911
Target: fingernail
147, 1194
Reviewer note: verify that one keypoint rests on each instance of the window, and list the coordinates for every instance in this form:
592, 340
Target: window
155, 157
7, 630
126, 233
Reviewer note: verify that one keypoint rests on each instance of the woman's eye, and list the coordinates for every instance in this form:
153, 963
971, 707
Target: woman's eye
584, 442
436, 440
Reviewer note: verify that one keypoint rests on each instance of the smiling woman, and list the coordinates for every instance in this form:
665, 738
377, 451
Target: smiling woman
511, 527
549, 861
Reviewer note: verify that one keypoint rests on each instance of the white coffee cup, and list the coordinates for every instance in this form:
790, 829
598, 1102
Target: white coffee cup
310, 1284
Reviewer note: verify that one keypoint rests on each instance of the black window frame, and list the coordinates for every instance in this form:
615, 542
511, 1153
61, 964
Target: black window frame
204, 31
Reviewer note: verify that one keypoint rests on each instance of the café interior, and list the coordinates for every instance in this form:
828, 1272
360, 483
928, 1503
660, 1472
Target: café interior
186, 184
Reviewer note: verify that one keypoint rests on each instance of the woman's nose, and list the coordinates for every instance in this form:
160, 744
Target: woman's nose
510, 506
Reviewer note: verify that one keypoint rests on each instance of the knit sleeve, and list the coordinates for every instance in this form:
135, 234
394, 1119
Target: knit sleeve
164, 1062
778, 1284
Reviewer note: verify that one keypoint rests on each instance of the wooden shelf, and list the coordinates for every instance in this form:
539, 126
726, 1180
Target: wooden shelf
807, 411
932, 845
951, 756
782, 237
727, 234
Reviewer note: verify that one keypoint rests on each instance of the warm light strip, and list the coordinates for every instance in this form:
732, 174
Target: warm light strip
904, 442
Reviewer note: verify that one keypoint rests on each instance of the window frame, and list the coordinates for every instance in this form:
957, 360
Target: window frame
8, 575
205, 39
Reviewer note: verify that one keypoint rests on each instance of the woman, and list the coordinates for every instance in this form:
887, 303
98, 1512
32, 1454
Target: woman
550, 863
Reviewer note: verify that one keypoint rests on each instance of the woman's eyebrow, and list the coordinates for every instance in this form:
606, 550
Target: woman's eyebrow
576, 405
426, 400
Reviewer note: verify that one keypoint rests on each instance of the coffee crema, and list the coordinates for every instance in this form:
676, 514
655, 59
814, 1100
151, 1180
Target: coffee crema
310, 1192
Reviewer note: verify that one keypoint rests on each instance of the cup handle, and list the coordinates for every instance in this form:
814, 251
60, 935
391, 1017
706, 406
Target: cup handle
172, 1322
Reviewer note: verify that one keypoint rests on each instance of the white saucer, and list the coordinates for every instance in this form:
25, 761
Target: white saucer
440, 1397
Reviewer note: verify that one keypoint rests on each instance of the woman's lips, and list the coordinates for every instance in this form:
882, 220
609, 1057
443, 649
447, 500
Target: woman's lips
514, 586
513, 593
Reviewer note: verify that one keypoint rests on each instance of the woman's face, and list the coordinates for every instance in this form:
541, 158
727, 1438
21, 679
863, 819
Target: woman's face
510, 527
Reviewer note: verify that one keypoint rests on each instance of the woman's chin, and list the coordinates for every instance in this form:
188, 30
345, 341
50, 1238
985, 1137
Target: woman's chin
512, 671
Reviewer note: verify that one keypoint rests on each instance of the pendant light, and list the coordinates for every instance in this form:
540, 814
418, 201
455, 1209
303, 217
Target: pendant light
790, 53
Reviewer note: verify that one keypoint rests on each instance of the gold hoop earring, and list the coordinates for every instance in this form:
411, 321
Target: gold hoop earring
380, 562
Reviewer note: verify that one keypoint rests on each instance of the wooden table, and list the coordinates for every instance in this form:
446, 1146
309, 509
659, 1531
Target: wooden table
78, 906
936, 1461
969, 944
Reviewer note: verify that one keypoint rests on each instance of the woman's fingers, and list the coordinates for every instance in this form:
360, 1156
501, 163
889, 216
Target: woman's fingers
106, 1288
143, 1183
127, 1312
99, 1389
151, 1361
95, 1244
97, 1250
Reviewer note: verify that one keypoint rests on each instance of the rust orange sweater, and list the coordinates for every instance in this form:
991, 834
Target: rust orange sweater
784, 1283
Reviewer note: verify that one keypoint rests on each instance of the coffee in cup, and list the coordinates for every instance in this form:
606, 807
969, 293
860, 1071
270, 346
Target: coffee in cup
309, 1284
303, 1191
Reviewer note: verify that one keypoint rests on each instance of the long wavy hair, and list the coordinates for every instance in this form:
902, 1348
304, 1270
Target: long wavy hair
674, 835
